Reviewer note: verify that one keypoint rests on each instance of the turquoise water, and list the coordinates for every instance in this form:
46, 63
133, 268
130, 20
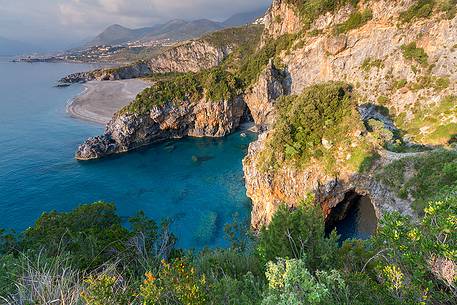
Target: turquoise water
196, 182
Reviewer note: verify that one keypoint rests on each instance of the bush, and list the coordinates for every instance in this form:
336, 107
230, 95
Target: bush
412, 52
290, 283
296, 234
92, 233
355, 21
326, 111
418, 261
430, 175
176, 283
420, 9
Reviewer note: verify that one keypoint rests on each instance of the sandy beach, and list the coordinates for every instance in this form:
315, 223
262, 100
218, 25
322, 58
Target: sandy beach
102, 99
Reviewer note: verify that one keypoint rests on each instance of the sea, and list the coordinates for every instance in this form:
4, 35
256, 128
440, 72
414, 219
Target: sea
196, 183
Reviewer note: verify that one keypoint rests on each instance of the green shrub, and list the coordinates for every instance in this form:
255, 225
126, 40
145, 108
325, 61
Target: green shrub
412, 52
420, 9
310, 10
246, 290
325, 111
429, 175
418, 259
296, 234
371, 63
355, 21
91, 232
290, 283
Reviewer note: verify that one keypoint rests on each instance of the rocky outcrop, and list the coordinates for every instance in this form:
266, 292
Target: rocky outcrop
137, 70
348, 57
261, 97
191, 56
282, 18
128, 131
270, 188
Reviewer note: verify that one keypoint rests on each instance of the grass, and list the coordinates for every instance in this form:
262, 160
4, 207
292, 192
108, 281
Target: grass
433, 124
429, 175
355, 21
235, 36
371, 63
412, 52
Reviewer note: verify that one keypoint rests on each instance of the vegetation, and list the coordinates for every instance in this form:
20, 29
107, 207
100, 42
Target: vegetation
315, 125
355, 21
412, 52
432, 124
371, 63
424, 177
224, 82
310, 10
235, 37
425, 9
291, 262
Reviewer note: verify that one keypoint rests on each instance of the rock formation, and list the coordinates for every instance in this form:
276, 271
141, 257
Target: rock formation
127, 131
326, 57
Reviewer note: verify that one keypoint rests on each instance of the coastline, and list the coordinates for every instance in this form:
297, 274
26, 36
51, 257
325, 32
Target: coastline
100, 100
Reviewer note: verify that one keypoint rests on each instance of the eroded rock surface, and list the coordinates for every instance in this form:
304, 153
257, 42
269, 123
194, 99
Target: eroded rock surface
128, 131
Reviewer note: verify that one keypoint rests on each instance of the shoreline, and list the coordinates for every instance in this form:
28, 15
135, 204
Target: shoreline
100, 100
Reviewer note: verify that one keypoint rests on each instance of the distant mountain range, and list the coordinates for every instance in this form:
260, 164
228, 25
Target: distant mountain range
174, 30
12, 47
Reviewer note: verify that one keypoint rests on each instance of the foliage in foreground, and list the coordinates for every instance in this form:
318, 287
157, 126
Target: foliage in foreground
291, 262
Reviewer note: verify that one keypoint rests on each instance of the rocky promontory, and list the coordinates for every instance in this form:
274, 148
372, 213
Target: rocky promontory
128, 131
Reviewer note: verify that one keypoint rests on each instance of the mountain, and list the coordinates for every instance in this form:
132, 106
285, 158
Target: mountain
173, 30
244, 18
13, 47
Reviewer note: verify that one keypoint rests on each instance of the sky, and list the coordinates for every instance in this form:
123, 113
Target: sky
63, 22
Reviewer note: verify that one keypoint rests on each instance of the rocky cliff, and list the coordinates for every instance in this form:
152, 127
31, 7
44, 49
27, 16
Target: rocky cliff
374, 58
128, 131
189, 56
398, 62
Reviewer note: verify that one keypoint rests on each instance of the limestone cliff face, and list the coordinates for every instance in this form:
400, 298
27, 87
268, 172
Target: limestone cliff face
347, 57
271, 188
261, 97
281, 19
204, 118
191, 56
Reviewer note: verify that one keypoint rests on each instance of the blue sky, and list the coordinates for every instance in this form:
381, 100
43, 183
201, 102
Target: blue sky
69, 21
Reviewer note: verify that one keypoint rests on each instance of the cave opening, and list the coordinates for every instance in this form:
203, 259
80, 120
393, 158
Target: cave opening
353, 218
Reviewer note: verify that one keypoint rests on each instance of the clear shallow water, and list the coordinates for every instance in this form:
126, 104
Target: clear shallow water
198, 182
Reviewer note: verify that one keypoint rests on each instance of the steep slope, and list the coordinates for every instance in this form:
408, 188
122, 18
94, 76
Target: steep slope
189, 56
404, 67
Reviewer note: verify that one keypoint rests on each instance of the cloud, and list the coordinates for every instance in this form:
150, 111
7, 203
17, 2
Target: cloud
67, 20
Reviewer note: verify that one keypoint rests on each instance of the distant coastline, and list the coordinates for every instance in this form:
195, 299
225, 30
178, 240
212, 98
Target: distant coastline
100, 100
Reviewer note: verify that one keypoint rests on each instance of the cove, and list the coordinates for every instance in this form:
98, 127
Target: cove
198, 183
353, 218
